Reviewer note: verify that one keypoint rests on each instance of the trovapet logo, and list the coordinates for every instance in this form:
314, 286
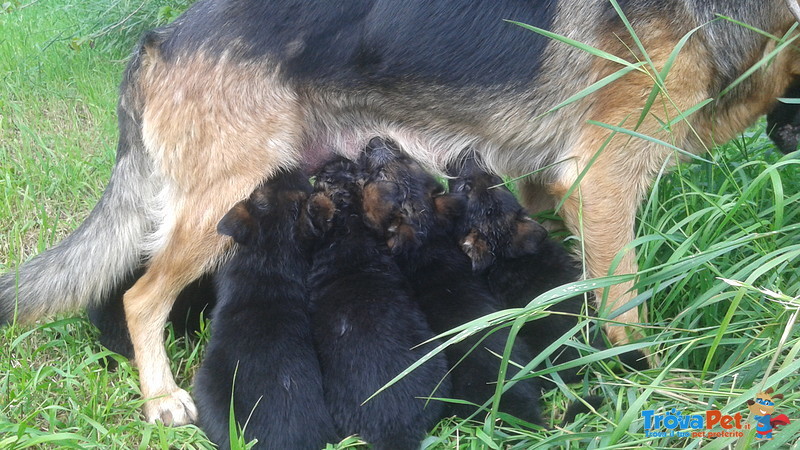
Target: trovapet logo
676, 424
713, 423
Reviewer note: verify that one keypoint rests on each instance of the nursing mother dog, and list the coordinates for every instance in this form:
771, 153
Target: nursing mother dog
233, 91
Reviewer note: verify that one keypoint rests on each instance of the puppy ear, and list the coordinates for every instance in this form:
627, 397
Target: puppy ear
450, 206
454, 168
769, 391
316, 218
464, 166
778, 396
472, 164
239, 224
751, 402
477, 248
527, 238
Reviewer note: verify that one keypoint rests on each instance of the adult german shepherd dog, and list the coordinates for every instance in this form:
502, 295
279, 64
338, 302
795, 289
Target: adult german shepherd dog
235, 90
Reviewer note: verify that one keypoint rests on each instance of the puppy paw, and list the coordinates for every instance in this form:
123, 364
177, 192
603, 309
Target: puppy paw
174, 409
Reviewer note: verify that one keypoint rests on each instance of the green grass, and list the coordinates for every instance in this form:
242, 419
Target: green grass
733, 219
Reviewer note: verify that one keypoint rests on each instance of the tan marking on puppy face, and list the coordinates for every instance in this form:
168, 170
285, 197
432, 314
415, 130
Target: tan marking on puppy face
377, 205
322, 205
402, 236
317, 217
476, 247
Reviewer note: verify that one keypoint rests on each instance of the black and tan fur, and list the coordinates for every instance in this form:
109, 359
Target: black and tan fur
233, 91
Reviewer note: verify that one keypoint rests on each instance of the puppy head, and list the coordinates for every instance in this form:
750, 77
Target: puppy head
403, 201
494, 224
337, 194
341, 180
271, 208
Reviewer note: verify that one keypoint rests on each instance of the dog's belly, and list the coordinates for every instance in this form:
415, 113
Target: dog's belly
439, 124
226, 118
293, 86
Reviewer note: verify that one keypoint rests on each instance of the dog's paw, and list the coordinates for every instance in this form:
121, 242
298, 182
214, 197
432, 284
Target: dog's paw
174, 409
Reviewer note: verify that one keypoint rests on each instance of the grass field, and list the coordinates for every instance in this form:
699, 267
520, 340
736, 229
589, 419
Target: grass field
718, 246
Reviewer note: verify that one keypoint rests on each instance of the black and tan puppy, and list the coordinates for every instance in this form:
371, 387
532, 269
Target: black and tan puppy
365, 323
261, 350
512, 251
519, 262
409, 207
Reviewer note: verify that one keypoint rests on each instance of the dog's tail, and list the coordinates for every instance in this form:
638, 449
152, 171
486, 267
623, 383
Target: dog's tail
107, 246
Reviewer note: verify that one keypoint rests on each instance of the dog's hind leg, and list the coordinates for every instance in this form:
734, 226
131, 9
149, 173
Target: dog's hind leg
215, 126
192, 248
194, 302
